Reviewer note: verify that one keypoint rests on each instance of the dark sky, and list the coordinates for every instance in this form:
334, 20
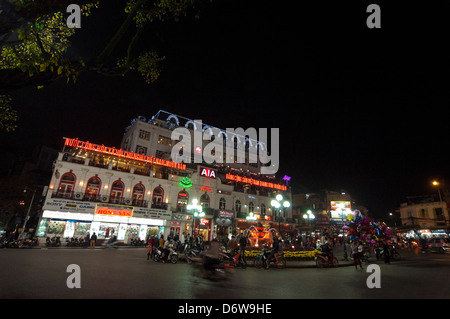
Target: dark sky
359, 109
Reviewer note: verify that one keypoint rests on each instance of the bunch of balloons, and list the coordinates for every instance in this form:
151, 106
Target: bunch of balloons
359, 227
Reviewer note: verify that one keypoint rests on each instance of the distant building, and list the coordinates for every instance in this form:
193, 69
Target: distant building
328, 208
424, 215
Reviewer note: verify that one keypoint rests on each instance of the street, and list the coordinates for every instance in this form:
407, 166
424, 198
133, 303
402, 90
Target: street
126, 273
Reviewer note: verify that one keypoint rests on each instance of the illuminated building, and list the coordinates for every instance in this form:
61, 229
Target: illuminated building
137, 190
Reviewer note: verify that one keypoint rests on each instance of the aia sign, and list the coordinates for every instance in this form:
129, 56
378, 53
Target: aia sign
207, 172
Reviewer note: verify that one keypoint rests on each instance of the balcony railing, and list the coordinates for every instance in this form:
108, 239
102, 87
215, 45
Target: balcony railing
101, 198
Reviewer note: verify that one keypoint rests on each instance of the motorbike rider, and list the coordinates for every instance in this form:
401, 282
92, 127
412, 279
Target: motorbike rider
275, 251
166, 251
212, 255
327, 249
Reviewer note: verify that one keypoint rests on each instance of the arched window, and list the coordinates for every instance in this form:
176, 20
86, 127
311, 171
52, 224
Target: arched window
138, 194
92, 189
182, 201
222, 203
66, 185
263, 209
116, 192
158, 197
204, 200
237, 206
251, 207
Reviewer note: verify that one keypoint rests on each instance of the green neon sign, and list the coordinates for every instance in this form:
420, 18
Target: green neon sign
185, 182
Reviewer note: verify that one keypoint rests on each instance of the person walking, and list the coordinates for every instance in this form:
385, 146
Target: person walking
232, 244
93, 240
355, 254
87, 240
242, 245
387, 257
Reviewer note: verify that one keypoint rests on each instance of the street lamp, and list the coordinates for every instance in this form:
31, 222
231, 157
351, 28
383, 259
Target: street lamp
276, 204
309, 216
436, 183
29, 209
196, 212
340, 211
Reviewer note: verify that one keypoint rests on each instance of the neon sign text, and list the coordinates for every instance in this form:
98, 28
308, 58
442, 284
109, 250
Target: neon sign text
121, 153
114, 212
251, 181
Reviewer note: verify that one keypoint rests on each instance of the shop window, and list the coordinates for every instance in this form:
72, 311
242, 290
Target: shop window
182, 201
251, 207
222, 203
67, 185
92, 189
116, 192
204, 200
158, 197
138, 194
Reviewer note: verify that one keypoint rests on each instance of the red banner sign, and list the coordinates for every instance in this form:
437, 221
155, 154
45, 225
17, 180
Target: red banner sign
121, 153
251, 181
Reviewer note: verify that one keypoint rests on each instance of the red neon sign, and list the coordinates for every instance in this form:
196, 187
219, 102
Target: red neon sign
251, 181
206, 189
121, 153
114, 212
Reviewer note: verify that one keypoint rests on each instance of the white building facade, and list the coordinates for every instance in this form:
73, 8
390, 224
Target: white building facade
137, 191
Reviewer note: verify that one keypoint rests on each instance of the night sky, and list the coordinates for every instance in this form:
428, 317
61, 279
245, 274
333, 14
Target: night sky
365, 110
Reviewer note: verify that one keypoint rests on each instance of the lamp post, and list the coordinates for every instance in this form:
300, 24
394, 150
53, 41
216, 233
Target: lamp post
29, 209
309, 216
436, 183
276, 204
341, 211
196, 212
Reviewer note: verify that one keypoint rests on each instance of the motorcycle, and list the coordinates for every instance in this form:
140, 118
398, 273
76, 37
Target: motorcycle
234, 259
262, 260
393, 253
137, 242
190, 253
159, 253
112, 243
28, 243
53, 242
209, 269
323, 260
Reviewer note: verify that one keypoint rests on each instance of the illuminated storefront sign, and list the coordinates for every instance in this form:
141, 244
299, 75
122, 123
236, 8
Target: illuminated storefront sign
185, 182
251, 181
206, 189
121, 211
207, 172
340, 204
339, 209
121, 153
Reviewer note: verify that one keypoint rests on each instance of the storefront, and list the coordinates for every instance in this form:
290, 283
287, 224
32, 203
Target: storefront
77, 220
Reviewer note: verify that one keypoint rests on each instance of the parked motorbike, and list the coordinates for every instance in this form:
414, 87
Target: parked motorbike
137, 242
29, 243
262, 260
190, 253
53, 241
